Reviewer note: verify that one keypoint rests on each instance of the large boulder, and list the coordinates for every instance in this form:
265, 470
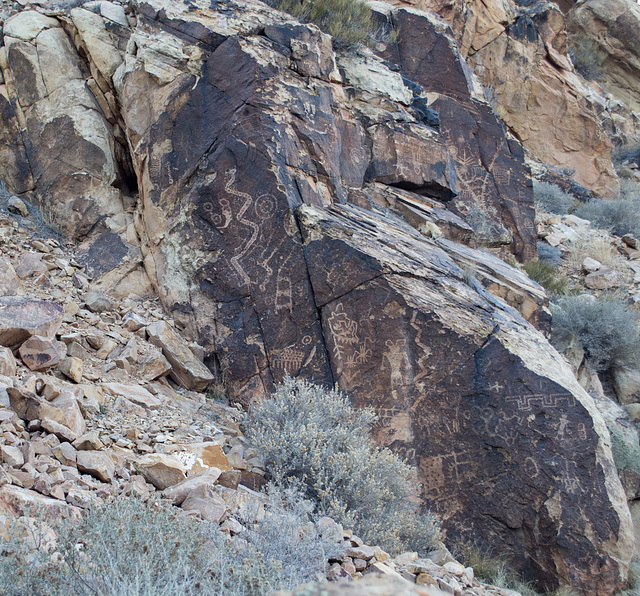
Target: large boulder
260, 160
21, 318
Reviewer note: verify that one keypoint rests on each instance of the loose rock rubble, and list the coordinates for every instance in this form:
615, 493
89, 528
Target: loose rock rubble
87, 412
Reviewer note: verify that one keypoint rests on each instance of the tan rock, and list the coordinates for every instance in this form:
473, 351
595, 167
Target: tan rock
161, 470
108, 345
41, 353
9, 281
609, 31
88, 442
30, 264
26, 25
133, 393
17, 501
66, 454
29, 406
590, 265
602, 279
63, 432
210, 509
71, 368
20, 318
12, 456
186, 369
634, 411
198, 457
179, 492
7, 363
626, 383
97, 463
73, 418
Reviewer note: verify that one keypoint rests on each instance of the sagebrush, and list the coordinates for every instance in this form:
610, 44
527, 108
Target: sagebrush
312, 437
545, 274
618, 216
347, 21
549, 254
606, 327
131, 548
551, 199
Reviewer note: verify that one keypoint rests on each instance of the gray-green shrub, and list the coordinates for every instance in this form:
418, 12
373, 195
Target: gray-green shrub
347, 21
606, 327
549, 254
545, 274
131, 548
312, 437
619, 216
551, 199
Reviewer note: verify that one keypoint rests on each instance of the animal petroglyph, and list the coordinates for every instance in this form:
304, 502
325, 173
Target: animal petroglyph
348, 350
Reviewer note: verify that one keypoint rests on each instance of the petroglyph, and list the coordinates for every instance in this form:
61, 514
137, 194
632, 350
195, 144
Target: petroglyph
345, 339
288, 360
253, 227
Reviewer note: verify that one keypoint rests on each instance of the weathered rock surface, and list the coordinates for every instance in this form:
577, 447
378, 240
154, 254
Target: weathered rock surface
521, 57
258, 169
490, 417
20, 318
611, 31
40, 353
186, 369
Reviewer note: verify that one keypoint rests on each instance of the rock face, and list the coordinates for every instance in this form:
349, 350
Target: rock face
611, 30
302, 214
521, 57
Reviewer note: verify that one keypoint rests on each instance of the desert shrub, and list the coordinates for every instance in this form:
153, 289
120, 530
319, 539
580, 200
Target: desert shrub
545, 274
627, 153
347, 21
618, 216
587, 57
606, 327
287, 541
633, 580
549, 254
312, 437
551, 199
131, 548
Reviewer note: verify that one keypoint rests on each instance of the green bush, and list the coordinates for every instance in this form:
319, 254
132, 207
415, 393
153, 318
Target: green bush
618, 216
551, 199
545, 274
131, 548
606, 327
313, 438
347, 21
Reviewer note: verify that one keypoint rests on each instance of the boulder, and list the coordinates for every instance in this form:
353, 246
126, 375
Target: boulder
210, 508
30, 406
97, 463
133, 393
30, 264
18, 501
177, 493
41, 353
88, 442
626, 383
7, 363
68, 405
20, 318
12, 456
97, 301
71, 368
186, 369
160, 470
199, 457
602, 279
9, 280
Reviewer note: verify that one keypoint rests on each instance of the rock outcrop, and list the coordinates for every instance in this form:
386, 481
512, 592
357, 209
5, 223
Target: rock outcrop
520, 54
302, 213
607, 33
